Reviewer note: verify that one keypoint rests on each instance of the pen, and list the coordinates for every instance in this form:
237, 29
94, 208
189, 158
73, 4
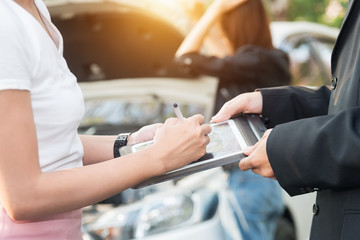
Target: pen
178, 111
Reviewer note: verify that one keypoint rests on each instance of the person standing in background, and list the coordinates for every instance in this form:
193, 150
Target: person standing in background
232, 41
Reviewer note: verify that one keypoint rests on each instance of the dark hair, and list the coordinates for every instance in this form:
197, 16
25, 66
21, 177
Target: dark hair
248, 24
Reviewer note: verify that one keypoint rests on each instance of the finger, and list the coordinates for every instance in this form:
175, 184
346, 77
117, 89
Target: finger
229, 109
207, 141
206, 129
245, 164
248, 150
159, 128
265, 172
150, 128
156, 125
222, 115
198, 118
256, 171
171, 121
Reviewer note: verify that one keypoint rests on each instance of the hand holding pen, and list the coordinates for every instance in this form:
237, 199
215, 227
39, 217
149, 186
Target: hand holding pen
184, 139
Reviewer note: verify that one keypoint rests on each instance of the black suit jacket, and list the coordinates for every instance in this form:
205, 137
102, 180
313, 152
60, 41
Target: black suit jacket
315, 144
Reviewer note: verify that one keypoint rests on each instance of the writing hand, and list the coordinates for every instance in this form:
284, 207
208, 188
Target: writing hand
182, 141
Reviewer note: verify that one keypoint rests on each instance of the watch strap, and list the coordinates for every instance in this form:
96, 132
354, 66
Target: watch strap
120, 142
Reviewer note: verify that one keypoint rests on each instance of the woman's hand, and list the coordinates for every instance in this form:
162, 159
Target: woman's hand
243, 103
144, 134
181, 141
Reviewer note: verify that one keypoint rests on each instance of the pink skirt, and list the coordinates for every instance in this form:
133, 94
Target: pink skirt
65, 226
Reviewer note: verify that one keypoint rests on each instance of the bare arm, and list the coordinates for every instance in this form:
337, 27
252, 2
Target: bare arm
27, 193
216, 43
97, 148
100, 148
194, 40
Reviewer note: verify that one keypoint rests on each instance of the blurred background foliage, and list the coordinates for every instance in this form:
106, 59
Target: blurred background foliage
328, 12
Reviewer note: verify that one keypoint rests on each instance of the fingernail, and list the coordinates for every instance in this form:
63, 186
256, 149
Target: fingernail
216, 117
247, 150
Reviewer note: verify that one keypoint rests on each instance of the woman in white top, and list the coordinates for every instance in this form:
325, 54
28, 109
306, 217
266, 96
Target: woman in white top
43, 183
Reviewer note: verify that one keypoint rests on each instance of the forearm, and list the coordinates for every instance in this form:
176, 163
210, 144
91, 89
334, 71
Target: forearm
194, 40
101, 148
97, 148
216, 43
66, 190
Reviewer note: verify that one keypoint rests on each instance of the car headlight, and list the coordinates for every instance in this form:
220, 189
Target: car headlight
171, 212
157, 214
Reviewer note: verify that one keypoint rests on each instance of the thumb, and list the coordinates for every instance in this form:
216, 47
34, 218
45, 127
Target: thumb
245, 164
248, 150
220, 117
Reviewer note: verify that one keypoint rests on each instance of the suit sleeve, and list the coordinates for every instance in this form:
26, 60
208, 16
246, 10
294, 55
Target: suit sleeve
285, 104
316, 152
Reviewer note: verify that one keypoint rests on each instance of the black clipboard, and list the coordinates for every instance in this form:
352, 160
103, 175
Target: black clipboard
227, 141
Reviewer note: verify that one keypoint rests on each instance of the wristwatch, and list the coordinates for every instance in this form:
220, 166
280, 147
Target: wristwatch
120, 142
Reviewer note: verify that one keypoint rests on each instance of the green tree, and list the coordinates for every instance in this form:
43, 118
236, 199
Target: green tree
330, 12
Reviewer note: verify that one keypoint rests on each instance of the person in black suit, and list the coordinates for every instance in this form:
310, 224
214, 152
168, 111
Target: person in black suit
313, 143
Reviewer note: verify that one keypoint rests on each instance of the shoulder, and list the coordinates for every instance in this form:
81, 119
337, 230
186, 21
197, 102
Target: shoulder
14, 47
7, 14
10, 23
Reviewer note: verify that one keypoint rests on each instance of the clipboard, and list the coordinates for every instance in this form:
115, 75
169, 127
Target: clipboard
227, 141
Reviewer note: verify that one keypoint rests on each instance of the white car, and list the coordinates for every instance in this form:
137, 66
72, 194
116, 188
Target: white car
122, 53
309, 46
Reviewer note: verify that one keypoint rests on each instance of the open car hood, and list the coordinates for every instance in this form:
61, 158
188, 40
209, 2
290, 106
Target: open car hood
122, 54
118, 39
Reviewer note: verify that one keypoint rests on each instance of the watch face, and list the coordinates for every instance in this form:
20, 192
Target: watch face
122, 137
